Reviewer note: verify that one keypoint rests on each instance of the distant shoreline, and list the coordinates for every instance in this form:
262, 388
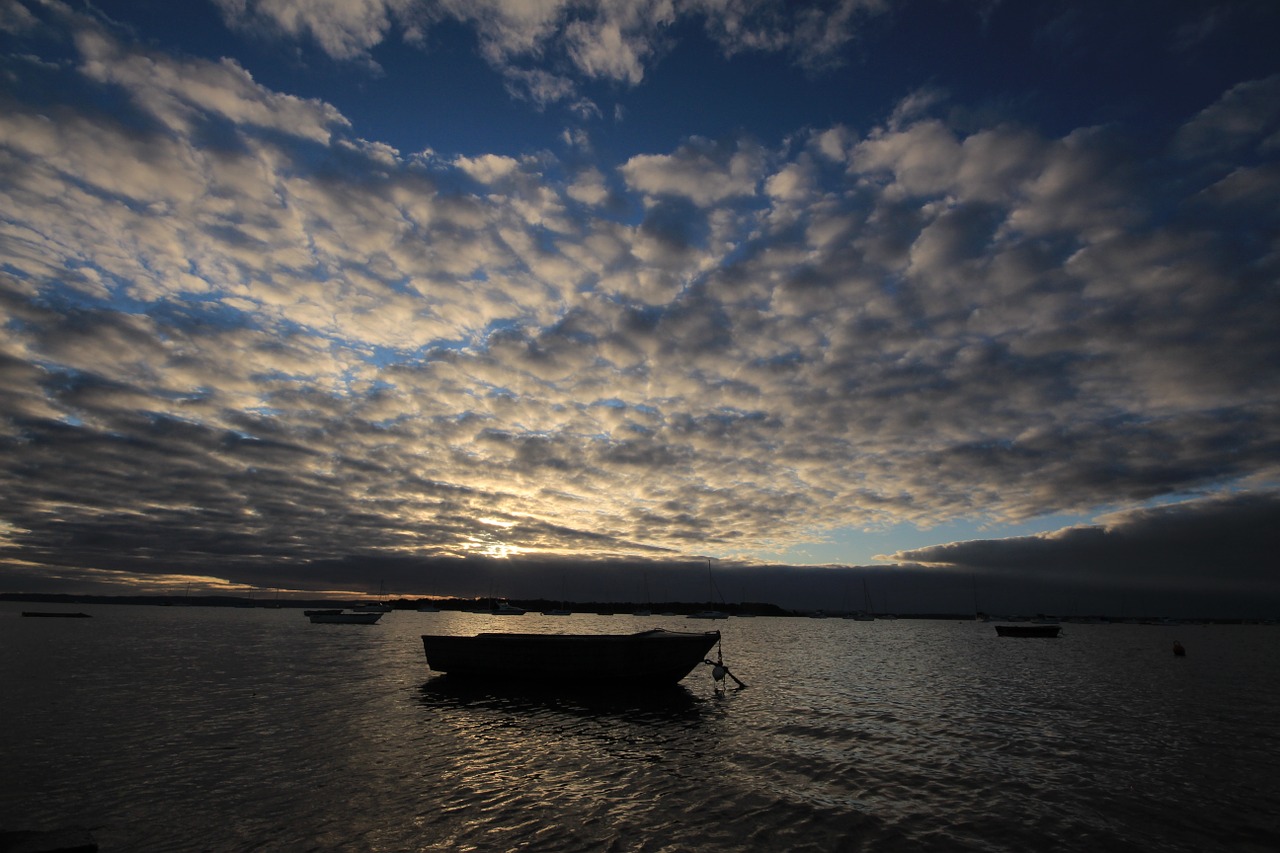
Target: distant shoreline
609, 608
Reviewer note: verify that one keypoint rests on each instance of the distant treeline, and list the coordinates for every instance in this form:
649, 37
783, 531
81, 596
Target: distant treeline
459, 604
533, 605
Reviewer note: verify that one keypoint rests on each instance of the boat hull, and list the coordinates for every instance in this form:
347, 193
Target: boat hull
645, 658
1045, 631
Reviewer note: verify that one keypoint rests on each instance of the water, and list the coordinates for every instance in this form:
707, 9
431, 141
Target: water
226, 730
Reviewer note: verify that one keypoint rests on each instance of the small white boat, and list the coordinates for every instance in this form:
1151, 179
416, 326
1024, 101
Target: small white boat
505, 608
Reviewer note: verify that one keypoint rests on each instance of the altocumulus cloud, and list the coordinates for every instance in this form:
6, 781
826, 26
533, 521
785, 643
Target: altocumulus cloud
238, 335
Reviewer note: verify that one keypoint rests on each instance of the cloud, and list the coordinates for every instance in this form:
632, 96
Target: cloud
616, 45
813, 35
1230, 540
545, 88
589, 187
344, 30
1247, 115
488, 168
178, 92
700, 171
237, 333
614, 41
792, 183
16, 18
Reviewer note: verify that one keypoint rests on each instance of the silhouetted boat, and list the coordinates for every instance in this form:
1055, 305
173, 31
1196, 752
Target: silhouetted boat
379, 606
645, 658
340, 618
867, 615
709, 614
1028, 630
56, 614
321, 612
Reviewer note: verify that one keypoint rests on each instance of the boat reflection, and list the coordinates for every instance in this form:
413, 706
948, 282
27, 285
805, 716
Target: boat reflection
558, 733
663, 705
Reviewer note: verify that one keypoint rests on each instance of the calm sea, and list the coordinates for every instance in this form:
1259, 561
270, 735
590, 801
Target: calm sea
174, 728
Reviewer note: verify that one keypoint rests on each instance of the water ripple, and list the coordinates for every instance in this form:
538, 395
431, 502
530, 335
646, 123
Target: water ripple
193, 729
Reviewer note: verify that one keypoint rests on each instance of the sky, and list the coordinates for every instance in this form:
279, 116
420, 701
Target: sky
911, 305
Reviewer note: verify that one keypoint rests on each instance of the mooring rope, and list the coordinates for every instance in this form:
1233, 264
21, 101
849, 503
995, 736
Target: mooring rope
718, 668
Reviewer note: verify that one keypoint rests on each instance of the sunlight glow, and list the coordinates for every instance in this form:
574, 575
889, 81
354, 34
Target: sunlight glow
487, 546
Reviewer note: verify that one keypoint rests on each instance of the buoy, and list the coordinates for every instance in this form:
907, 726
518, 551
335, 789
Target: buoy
719, 670
1178, 650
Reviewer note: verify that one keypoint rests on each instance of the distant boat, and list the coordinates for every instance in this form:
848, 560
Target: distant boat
646, 658
321, 612
709, 614
505, 608
978, 615
558, 611
379, 606
647, 610
1028, 630
56, 614
869, 614
340, 618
